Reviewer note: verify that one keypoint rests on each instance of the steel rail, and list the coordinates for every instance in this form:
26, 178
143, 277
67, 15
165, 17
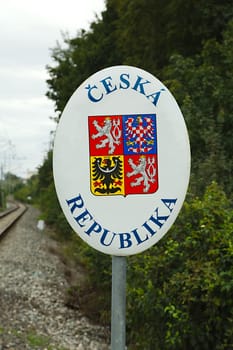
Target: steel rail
8, 211
10, 216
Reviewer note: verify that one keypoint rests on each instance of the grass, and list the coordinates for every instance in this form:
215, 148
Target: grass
33, 339
37, 340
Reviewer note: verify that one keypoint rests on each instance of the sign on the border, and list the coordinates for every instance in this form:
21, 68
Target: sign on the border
121, 160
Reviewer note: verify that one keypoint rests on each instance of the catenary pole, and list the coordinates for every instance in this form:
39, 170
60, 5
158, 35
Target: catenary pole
118, 318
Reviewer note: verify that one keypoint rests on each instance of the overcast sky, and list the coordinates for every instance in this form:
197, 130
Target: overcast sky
29, 29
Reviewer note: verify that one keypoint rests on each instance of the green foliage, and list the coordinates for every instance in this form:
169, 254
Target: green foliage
203, 86
82, 56
179, 292
9, 185
2, 199
36, 340
140, 33
28, 190
48, 201
30, 338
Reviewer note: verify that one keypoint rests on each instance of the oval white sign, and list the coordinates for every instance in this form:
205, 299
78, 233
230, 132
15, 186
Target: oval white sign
121, 160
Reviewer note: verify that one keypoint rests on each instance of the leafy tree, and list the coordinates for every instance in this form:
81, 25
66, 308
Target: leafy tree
89, 52
28, 191
144, 33
149, 31
48, 201
203, 86
179, 291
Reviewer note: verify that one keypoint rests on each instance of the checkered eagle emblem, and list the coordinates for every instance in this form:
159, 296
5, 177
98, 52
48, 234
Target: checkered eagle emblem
123, 154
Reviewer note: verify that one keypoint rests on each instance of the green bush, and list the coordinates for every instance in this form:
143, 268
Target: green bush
180, 291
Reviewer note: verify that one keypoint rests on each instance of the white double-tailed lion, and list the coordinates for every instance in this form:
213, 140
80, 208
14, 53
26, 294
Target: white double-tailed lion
139, 169
105, 130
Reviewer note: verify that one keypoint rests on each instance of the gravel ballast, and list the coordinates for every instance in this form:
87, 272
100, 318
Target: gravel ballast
33, 314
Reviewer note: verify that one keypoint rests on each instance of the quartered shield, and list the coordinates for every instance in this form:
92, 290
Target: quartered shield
123, 154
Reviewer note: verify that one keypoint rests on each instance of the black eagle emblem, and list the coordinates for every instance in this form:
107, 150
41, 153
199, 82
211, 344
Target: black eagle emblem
107, 174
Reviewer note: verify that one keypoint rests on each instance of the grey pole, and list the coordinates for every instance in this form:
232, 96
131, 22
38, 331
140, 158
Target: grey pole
118, 318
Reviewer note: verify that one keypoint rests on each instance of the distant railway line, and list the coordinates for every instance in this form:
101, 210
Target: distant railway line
10, 216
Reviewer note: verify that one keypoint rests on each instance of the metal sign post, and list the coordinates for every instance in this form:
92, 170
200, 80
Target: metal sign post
118, 318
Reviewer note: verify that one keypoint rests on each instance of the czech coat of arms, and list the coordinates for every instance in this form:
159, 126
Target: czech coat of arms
123, 154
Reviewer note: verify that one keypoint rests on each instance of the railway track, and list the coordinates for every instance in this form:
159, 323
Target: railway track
10, 216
